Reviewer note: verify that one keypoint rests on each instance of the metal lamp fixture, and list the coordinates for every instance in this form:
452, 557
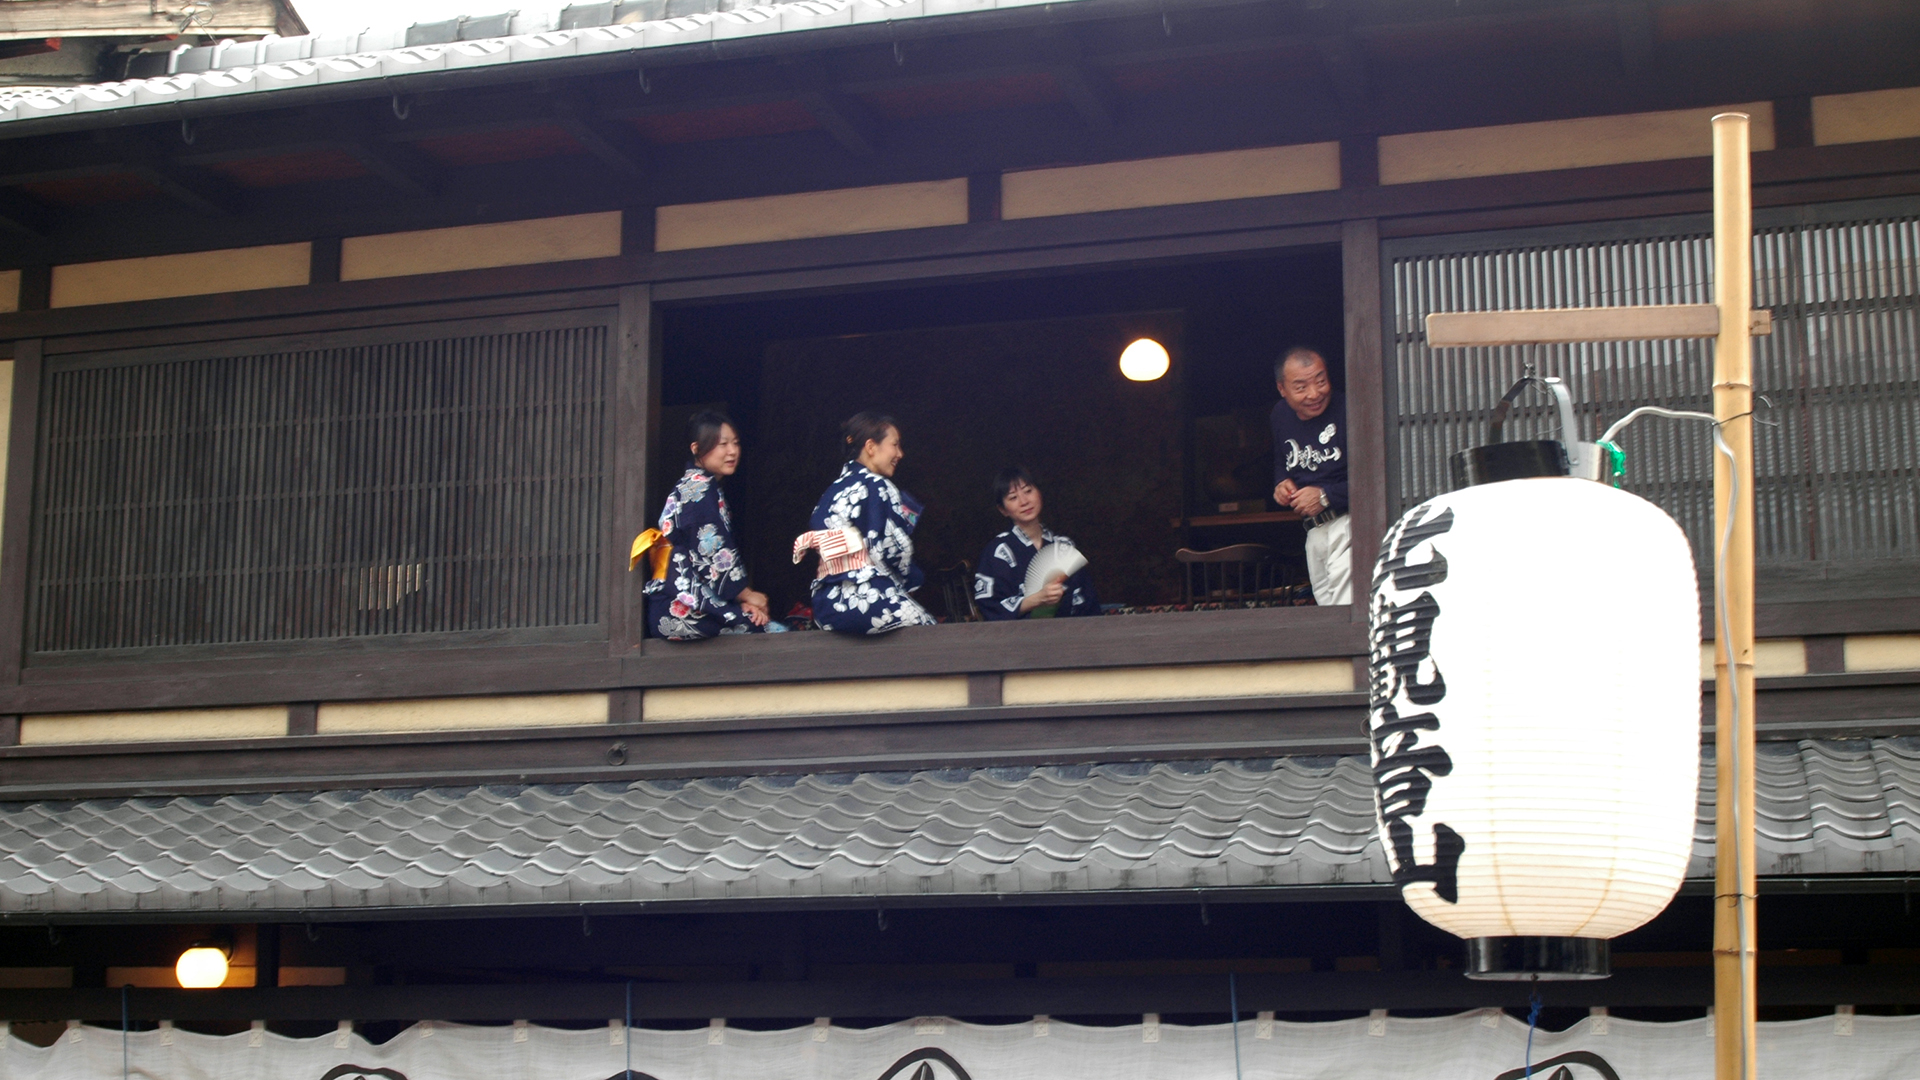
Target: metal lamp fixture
202, 967
1535, 698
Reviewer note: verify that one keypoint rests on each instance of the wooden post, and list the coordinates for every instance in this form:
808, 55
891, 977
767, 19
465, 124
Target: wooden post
1733, 910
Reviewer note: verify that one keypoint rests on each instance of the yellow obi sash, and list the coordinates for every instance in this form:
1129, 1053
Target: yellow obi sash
653, 545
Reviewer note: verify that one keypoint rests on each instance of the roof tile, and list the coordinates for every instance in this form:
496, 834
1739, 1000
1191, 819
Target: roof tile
1825, 807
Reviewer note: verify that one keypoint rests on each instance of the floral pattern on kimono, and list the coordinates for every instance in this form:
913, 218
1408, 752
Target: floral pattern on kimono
874, 598
1000, 583
699, 597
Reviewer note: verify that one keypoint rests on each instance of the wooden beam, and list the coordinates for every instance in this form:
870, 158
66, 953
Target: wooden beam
200, 193
1086, 90
614, 148
1366, 365
1540, 326
16, 507
982, 734
1308, 992
23, 213
633, 381
849, 121
402, 167
986, 735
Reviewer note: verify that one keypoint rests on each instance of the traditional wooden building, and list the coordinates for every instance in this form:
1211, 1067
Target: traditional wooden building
343, 369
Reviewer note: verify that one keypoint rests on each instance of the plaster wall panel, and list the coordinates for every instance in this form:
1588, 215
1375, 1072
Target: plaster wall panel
194, 273
805, 699
1168, 181
477, 247
9, 290
165, 978
1883, 652
1773, 658
1581, 143
178, 725
1260, 679
808, 214
1867, 117
35, 978
456, 714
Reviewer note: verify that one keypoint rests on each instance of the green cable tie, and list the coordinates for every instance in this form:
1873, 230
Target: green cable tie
1617, 458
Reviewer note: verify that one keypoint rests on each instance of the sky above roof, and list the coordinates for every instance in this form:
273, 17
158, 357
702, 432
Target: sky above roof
346, 16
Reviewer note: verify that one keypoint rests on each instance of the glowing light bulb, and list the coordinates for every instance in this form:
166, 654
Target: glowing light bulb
201, 967
1144, 361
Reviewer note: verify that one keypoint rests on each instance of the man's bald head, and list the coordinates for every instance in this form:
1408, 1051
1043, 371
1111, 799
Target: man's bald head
1301, 375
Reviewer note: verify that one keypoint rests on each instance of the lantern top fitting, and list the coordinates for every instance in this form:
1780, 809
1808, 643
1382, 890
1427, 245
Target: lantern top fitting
1500, 460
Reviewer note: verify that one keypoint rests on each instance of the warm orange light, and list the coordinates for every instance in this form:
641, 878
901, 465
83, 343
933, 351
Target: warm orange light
1144, 361
201, 967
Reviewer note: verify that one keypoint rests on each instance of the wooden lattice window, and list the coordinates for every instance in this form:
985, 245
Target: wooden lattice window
1836, 463
417, 480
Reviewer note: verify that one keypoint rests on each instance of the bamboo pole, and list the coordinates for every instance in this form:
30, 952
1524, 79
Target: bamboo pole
1733, 912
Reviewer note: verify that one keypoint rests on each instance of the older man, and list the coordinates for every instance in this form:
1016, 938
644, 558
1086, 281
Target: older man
1310, 468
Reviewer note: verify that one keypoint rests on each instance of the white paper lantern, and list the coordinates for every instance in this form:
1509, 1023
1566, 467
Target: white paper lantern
1535, 689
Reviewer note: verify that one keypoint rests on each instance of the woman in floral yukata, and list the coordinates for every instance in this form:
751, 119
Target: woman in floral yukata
870, 599
704, 592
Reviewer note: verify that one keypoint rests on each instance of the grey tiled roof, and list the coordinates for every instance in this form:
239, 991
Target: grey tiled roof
1825, 807
394, 58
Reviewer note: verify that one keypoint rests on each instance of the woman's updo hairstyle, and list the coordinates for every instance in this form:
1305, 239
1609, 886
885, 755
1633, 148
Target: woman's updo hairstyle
703, 431
865, 427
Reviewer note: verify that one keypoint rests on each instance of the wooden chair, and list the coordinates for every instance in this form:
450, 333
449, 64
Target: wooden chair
948, 593
1237, 572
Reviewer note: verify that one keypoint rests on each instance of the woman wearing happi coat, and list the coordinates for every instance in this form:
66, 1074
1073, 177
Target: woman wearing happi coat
703, 591
871, 598
1000, 584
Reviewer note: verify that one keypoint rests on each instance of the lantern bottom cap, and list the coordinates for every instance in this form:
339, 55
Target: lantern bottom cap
1546, 959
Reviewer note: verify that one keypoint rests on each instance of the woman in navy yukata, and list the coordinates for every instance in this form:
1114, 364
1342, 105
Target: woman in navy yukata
1000, 582
704, 592
871, 599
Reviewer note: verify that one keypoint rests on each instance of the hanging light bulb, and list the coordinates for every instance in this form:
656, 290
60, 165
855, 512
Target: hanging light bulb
1144, 361
201, 967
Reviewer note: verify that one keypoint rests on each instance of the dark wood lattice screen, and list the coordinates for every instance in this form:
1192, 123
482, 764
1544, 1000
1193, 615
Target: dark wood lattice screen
323, 491
1837, 460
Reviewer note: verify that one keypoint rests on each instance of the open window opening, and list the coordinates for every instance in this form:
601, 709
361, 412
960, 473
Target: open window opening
1022, 371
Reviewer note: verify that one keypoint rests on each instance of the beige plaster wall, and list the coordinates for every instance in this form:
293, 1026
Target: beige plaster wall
1257, 679
1867, 117
194, 273
1192, 178
1773, 658
176, 725
1883, 652
804, 699
1561, 144
809, 214
466, 713
478, 247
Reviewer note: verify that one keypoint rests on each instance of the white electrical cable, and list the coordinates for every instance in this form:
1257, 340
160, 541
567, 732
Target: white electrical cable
1655, 410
